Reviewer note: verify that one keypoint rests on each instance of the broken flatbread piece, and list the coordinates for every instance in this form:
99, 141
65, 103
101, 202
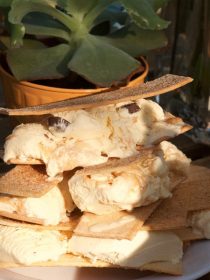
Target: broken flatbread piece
18, 223
187, 234
156, 87
120, 225
171, 213
27, 181
199, 184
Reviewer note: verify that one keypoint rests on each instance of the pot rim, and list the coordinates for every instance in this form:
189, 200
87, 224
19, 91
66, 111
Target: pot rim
65, 90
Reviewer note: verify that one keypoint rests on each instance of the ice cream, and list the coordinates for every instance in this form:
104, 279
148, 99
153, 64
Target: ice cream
145, 247
106, 192
89, 137
29, 141
50, 208
27, 246
200, 222
147, 179
175, 159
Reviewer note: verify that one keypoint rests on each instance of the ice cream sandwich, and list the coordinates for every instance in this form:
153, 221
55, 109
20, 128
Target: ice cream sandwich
131, 188
84, 138
28, 194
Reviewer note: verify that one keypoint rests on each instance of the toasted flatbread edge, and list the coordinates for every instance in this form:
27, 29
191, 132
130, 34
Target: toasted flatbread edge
158, 86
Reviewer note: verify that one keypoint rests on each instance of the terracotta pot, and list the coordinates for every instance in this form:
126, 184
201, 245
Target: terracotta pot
22, 94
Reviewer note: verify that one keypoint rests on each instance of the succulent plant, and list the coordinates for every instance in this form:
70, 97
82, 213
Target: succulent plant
96, 39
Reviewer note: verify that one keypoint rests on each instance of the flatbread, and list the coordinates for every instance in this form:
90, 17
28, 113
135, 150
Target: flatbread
77, 261
119, 225
27, 181
62, 227
125, 164
119, 164
28, 161
20, 217
171, 213
191, 195
156, 87
199, 184
187, 234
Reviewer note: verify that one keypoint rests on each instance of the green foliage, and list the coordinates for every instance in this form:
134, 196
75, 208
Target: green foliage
97, 39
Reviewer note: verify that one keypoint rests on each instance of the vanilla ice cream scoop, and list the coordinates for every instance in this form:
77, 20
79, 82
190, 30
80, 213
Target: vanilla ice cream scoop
128, 183
83, 138
29, 141
27, 246
145, 247
50, 209
200, 223
175, 159
107, 192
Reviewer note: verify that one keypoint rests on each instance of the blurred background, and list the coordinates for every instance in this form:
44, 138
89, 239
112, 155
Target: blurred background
188, 53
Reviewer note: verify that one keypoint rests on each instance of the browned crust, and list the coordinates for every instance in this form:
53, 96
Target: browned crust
156, 87
199, 185
20, 217
186, 128
29, 161
27, 181
21, 223
118, 164
126, 231
191, 195
171, 213
187, 234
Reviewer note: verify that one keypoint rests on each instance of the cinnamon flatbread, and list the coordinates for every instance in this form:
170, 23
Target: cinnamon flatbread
27, 181
119, 225
20, 223
156, 87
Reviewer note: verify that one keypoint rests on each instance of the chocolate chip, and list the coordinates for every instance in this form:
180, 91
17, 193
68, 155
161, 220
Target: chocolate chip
104, 154
114, 158
132, 108
114, 174
139, 147
58, 123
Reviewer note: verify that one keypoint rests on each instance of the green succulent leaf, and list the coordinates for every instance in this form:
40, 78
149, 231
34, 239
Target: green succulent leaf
143, 14
21, 8
39, 63
44, 25
135, 41
5, 3
17, 32
27, 43
47, 31
158, 4
111, 16
104, 60
42, 19
102, 63
96, 11
77, 8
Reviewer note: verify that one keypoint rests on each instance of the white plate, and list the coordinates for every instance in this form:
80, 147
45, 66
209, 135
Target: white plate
196, 264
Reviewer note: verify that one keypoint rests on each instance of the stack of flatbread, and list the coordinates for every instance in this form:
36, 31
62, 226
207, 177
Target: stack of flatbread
96, 183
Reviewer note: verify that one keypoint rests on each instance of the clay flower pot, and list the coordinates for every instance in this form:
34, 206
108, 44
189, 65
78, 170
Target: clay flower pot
22, 94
